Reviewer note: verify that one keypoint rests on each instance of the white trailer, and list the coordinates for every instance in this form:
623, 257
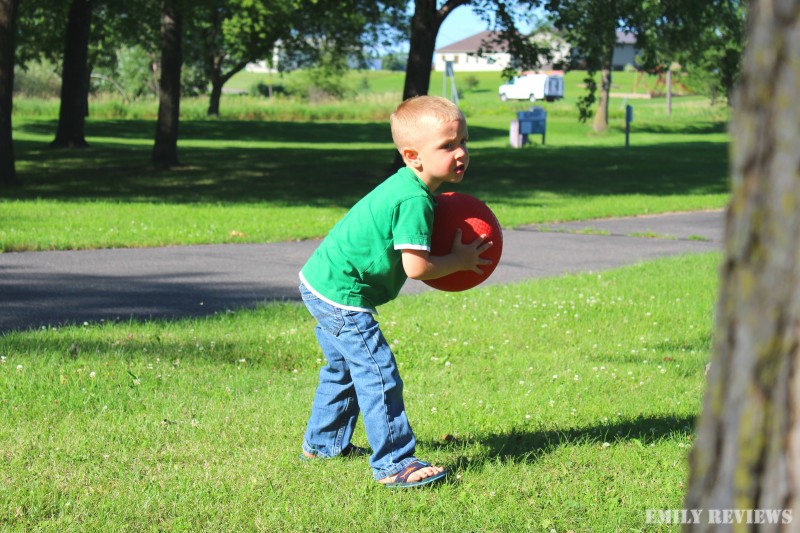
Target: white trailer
533, 87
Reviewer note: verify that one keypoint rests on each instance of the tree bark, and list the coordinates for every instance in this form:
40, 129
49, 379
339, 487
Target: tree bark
165, 149
747, 452
425, 24
75, 78
8, 18
218, 80
601, 116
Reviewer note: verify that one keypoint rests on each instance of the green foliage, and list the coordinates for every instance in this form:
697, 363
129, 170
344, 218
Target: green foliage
134, 71
394, 61
37, 79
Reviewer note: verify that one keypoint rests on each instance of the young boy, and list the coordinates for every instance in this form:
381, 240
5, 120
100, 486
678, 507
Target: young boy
363, 263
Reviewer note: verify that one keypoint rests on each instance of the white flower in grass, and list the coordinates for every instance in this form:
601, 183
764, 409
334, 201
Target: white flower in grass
606, 445
20, 368
92, 374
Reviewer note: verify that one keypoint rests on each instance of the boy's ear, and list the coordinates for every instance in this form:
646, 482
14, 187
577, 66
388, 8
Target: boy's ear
410, 156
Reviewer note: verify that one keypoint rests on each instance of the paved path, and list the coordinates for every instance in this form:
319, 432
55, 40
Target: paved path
38, 288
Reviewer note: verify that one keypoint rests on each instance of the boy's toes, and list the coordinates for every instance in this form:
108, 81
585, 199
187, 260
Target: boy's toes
415, 474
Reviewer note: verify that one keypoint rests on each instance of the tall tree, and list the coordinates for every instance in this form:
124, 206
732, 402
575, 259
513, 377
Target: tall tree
165, 149
706, 38
425, 24
233, 33
75, 77
8, 17
428, 18
591, 26
746, 452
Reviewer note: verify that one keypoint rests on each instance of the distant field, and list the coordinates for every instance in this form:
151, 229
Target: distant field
280, 169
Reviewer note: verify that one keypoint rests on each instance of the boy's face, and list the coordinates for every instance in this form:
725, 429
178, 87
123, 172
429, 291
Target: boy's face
442, 155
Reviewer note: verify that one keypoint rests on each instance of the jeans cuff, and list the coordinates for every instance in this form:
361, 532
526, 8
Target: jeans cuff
395, 469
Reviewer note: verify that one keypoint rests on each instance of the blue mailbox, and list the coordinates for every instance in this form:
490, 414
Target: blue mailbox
528, 123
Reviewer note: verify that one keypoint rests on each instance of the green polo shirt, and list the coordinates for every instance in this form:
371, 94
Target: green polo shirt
359, 264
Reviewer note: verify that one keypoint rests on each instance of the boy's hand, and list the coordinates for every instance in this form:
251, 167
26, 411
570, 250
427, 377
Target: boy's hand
469, 254
419, 264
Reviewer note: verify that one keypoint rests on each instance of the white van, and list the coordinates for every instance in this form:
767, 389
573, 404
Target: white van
533, 87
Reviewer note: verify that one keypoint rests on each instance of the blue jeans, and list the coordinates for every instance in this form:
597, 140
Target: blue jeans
360, 376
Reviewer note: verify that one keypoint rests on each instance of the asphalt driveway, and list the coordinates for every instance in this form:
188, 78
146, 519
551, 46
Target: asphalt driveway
52, 288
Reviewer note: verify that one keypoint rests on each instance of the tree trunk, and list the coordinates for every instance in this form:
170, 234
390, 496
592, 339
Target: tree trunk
747, 452
601, 116
215, 96
165, 149
424, 28
8, 18
218, 80
75, 78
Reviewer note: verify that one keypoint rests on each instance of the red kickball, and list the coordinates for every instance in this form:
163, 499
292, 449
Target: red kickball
458, 210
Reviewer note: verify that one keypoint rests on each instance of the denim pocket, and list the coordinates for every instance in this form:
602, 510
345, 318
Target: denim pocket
329, 316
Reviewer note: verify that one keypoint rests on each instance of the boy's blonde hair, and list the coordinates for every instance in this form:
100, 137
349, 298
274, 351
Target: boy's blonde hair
413, 117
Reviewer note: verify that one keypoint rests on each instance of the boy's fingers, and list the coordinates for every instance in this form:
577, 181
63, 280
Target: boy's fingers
485, 246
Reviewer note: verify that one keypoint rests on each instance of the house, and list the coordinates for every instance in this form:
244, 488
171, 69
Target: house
464, 54
625, 51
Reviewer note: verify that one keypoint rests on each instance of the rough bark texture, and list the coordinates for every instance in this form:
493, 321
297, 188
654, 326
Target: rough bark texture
75, 78
165, 149
748, 445
8, 15
601, 116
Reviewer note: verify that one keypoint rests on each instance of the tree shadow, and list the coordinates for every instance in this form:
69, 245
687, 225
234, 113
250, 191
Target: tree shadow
334, 164
524, 445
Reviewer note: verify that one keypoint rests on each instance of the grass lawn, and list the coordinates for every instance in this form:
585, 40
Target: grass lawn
284, 169
563, 404
583, 423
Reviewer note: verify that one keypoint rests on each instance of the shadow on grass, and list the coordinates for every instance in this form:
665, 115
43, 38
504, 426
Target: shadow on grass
529, 445
338, 176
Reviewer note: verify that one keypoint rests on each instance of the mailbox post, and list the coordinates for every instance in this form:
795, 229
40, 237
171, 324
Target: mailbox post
628, 120
528, 123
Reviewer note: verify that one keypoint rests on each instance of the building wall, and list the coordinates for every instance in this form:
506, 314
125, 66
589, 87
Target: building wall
463, 62
624, 54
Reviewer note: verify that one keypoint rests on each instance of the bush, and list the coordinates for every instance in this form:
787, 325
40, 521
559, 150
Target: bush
37, 80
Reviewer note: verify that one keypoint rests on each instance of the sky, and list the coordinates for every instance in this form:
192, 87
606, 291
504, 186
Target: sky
458, 25
463, 23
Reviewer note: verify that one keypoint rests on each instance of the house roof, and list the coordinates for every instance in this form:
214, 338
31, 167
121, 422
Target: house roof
472, 44
624, 37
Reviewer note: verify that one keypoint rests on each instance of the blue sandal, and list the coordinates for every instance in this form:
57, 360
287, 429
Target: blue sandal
401, 481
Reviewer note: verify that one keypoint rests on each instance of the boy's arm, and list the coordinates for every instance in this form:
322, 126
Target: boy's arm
420, 265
